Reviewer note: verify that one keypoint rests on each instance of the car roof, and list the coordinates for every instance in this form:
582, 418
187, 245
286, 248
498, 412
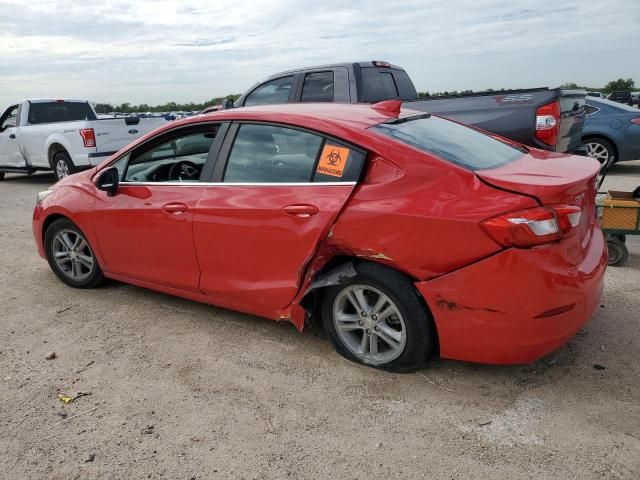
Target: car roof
352, 116
602, 102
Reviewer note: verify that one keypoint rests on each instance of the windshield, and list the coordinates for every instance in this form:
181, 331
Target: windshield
452, 142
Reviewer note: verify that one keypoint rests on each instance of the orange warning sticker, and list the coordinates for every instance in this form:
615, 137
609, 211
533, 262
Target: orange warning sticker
333, 160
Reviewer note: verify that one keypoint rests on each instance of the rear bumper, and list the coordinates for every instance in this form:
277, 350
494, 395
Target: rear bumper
516, 306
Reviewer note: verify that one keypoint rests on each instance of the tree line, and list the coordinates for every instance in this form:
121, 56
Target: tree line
167, 107
612, 86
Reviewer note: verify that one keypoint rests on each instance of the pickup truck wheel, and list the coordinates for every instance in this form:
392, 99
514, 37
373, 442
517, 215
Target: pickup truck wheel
62, 165
377, 318
599, 149
1, 176
70, 256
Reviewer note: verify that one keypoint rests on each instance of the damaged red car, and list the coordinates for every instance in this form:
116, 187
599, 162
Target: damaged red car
405, 233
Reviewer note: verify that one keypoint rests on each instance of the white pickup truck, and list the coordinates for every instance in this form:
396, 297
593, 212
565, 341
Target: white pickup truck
62, 135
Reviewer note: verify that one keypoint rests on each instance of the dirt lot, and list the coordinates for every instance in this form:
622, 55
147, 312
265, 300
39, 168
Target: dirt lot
180, 390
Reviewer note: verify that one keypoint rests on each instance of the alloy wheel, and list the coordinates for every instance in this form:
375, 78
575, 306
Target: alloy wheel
62, 169
598, 151
72, 255
369, 324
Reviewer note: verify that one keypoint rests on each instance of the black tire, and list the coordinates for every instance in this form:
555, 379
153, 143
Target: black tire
617, 252
1, 176
94, 276
418, 323
62, 163
606, 145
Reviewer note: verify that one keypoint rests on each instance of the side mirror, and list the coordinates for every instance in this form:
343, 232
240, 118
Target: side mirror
108, 181
227, 103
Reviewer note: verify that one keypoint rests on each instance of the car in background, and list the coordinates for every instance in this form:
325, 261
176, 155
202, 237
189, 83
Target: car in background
62, 135
546, 118
620, 97
596, 94
635, 98
611, 130
404, 232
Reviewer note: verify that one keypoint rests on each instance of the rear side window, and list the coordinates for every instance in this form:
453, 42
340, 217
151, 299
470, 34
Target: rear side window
273, 92
53, 112
452, 142
274, 154
318, 87
386, 84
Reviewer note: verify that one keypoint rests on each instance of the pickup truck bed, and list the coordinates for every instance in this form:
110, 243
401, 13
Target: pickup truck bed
546, 118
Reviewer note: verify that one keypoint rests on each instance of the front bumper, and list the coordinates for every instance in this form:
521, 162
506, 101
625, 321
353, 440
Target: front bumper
516, 306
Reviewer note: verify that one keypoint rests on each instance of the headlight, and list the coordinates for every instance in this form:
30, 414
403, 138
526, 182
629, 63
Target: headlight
42, 195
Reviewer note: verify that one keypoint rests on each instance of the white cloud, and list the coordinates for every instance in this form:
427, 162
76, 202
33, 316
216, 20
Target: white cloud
157, 51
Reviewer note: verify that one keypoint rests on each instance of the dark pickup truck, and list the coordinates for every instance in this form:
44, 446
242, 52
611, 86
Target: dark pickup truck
546, 118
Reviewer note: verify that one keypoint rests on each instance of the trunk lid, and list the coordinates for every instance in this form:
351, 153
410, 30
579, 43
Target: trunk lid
554, 179
550, 177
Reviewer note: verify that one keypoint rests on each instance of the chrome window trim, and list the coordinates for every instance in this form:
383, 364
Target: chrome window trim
230, 184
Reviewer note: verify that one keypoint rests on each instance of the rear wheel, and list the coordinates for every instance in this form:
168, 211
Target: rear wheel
617, 252
62, 165
1, 176
377, 318
70, 256
600, 149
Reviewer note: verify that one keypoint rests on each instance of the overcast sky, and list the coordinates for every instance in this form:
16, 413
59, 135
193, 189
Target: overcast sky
154, 51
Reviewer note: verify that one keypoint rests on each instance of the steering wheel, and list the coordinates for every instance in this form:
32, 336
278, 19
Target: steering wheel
184, 170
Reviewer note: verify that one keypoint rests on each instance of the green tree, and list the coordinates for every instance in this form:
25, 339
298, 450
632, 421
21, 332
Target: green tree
620, 84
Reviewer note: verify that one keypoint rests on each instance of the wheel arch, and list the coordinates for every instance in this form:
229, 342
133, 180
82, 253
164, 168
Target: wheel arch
49, 220
54, 148
337, 268
602, 136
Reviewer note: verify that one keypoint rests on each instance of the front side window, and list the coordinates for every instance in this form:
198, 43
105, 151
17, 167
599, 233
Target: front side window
275, 91
318, 87
9, 118
452, 142
53, 112
178, 158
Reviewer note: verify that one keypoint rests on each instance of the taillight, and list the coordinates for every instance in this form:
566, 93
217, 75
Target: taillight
548, 123
88, 137
636, 120
568, 216
525, 228
534, 226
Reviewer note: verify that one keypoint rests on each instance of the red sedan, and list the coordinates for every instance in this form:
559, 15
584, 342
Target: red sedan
405, 233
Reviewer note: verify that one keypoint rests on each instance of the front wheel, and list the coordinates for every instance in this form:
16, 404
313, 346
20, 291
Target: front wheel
378, 319
70, 256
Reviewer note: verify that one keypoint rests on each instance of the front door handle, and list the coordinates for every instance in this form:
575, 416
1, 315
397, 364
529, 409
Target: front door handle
12, 135
301, 210
175, 208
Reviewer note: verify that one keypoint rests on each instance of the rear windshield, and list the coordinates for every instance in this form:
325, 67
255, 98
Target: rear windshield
452, 142
386, 84
53, 112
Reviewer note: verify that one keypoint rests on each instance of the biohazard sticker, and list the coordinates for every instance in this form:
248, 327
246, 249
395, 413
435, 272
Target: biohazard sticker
333, 160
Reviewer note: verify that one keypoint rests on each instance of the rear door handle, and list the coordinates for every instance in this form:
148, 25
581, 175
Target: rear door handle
301, 210
12, 135
175, 208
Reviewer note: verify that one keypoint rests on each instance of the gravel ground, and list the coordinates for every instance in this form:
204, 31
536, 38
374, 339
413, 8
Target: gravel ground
179, 390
